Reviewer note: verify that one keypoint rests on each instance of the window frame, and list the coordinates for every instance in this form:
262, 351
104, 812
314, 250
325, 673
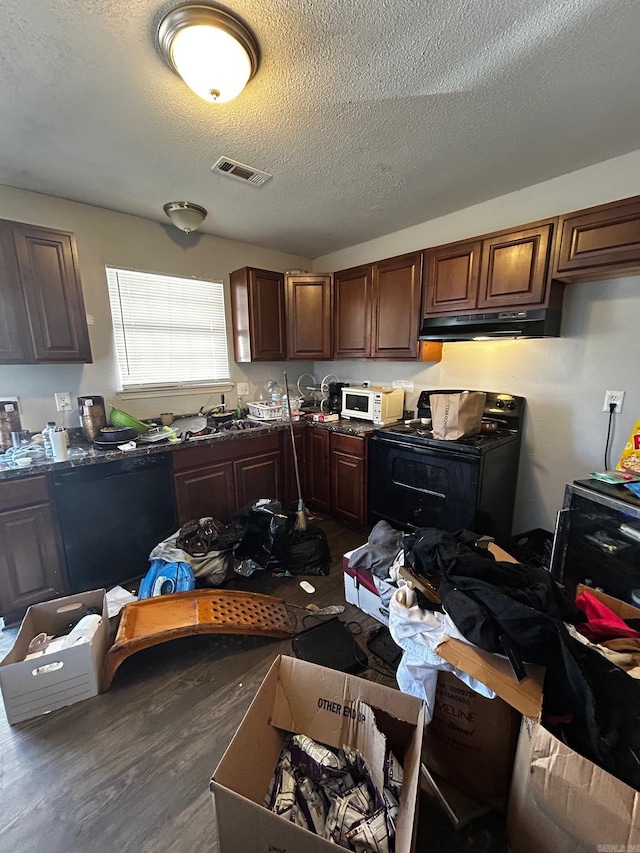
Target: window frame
177, 388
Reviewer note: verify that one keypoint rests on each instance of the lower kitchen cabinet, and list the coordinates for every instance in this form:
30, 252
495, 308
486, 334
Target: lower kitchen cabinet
257, 477
30, 565
348, 478
336, 474
207, 491
317, 468
289, 485
219, 479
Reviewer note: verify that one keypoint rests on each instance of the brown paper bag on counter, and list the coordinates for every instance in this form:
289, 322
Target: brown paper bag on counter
457, 415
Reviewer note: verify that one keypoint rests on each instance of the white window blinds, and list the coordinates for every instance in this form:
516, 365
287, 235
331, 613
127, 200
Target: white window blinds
169, 332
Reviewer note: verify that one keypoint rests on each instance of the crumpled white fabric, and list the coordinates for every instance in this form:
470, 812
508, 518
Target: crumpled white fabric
418, 632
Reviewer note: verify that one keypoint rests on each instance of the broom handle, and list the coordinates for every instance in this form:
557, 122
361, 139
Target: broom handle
293, 440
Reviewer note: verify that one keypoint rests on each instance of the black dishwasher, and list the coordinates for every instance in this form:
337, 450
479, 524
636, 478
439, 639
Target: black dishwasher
111, 515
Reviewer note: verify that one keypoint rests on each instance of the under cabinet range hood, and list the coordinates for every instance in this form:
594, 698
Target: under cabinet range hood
536, 323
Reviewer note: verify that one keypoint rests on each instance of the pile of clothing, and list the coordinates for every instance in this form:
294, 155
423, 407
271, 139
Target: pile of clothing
590, 702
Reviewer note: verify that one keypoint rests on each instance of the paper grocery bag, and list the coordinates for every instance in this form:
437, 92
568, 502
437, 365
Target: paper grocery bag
457, 415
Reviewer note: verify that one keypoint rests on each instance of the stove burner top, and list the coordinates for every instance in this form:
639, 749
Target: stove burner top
422, 435
506, 409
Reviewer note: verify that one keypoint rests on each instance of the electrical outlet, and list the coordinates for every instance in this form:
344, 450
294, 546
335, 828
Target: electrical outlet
63, 401
616, 397
243, 389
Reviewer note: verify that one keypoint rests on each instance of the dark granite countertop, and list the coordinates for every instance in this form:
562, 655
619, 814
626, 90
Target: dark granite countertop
81, 453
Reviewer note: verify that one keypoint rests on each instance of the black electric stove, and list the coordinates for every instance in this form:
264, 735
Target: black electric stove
416, 480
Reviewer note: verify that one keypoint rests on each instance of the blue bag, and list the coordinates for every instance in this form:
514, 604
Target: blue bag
164, 578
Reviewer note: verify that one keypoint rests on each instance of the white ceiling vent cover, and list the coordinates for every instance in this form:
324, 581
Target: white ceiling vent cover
240, 171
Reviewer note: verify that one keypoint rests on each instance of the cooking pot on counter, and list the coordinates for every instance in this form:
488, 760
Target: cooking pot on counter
116, 434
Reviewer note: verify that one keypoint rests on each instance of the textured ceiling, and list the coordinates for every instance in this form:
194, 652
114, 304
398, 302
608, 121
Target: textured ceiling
372, 115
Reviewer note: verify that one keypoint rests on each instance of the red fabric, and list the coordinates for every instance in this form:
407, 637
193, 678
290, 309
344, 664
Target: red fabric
603, 623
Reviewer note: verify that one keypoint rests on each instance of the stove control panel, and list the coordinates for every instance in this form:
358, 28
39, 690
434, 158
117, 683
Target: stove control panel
506, 406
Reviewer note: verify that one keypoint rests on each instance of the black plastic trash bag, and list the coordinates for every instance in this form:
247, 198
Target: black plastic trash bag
307, 553
265, 536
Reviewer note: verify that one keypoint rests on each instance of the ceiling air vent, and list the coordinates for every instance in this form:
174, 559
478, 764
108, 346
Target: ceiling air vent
240, 171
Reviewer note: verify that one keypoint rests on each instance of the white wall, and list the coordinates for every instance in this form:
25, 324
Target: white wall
105, 237
563, 379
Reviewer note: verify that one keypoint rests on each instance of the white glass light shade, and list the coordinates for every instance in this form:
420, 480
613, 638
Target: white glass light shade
213, 51
185, 215
211, 62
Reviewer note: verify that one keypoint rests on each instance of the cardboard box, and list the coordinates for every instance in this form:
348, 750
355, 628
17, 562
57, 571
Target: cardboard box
468, 732
324, 704
360, 589
28, 690
561, 802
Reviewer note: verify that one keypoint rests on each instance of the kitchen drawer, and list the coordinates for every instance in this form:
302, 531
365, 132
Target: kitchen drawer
351, 444
23, 492
223, 450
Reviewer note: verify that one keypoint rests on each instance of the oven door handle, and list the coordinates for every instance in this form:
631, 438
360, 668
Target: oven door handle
417, 489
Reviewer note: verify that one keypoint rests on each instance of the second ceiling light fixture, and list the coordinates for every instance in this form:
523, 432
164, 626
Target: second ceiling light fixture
210, 48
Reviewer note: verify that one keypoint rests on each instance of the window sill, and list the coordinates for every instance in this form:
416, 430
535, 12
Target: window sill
145, 393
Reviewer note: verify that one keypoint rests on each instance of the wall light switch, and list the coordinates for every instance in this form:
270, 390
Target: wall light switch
242, 388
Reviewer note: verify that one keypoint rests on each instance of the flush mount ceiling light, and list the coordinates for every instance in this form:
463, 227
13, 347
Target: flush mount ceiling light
212, 50
185, 215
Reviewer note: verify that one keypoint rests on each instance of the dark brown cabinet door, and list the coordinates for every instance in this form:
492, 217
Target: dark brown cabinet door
206, 491
349, 478
451, 278
258, 312
257, 477
42, 317
308, 313
396, 306
289, 486
30, 569
352, 313
317, 465
515, 267
599, 242
15, 337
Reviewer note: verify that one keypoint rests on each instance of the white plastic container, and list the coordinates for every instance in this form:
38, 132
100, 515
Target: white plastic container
59, 444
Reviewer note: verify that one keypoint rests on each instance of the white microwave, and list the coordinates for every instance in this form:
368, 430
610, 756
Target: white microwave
368, 404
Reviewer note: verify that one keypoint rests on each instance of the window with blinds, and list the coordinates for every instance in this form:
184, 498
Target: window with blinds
169, 332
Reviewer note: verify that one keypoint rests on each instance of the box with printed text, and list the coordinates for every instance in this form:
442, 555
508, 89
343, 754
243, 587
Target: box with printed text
322, 703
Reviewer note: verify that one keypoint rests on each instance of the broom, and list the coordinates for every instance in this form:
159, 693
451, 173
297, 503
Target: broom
301, 512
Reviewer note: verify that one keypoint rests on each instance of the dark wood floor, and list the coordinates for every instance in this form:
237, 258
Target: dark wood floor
129, 770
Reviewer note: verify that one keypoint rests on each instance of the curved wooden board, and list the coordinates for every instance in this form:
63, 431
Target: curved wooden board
167, 617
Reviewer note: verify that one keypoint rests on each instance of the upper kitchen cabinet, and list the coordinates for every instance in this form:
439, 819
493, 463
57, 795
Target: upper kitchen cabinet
600, 242
308, 315
376, 309
503, 270
452, 273
42, 316
514, 268
352, 313
258, 312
